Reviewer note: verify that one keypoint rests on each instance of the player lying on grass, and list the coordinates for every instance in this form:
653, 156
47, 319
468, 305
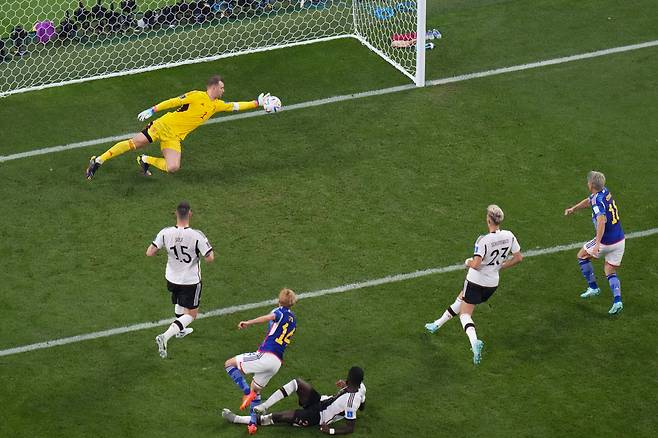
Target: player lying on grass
490, 256
609, 241
322, 410
194, 109
265, 362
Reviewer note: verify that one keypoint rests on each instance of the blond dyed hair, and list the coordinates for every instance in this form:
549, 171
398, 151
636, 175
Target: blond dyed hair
495, 214
596, 179
287, 297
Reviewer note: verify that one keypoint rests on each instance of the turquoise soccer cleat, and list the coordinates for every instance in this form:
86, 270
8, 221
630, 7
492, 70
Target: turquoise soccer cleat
616, 308
477, 352
590, 293
431, 327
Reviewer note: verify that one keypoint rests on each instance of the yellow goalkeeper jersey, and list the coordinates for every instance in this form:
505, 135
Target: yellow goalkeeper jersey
195, 108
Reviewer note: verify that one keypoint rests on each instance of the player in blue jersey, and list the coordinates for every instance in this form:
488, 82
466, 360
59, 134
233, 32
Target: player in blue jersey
265, 362
608, 243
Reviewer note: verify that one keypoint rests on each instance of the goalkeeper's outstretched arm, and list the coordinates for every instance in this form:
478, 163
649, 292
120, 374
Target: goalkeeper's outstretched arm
174, 102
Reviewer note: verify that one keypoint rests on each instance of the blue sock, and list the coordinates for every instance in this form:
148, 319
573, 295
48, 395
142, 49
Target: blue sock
588, 272
254, 416
615, 286
238, 378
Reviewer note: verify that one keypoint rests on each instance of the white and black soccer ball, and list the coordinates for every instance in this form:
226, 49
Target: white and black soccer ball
272, 104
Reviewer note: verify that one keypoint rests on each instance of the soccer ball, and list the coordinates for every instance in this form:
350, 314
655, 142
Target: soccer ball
272, 104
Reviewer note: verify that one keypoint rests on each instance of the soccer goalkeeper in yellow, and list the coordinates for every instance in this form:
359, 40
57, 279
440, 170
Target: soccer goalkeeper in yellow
194, 108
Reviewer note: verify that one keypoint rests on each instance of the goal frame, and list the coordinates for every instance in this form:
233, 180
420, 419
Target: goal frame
418, 78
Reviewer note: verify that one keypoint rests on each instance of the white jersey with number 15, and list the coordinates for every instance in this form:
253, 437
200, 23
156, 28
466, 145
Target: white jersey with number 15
494, 248
184, 247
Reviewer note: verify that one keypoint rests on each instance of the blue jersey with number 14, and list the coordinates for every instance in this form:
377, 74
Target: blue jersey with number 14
603, 204
280, 332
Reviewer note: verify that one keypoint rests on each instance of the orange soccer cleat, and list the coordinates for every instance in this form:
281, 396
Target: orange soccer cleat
251, 429
247, 399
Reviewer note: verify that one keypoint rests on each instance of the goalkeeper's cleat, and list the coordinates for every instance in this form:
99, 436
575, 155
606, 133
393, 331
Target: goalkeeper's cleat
616, 308
228, 415
590, 293
186, 331
260, 410
477, 352
144, 165
162, 346
92, 168
431, 327
252, 429
247, 399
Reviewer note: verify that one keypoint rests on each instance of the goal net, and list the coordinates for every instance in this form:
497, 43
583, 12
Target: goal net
46, 43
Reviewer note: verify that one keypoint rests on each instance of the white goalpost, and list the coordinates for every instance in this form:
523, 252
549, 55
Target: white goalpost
48, 43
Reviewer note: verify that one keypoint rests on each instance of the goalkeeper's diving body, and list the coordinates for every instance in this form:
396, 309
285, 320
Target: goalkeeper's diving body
194, 109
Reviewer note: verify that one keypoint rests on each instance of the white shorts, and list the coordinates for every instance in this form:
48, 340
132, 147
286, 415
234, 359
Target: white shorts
612, 253
262, 365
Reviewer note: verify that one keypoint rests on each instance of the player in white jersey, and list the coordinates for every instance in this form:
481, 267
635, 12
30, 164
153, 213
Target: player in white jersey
494, 251
322, 410
185, 247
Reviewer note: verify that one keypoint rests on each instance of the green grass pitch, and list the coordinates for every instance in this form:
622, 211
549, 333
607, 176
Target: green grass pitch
341, 193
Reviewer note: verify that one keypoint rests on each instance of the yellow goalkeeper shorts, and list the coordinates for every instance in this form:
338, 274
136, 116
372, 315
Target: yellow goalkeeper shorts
158, 131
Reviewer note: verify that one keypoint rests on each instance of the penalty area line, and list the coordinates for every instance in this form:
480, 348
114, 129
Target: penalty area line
305, 295
345, 97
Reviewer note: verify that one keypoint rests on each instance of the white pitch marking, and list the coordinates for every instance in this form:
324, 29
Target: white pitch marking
319, 293
346, 97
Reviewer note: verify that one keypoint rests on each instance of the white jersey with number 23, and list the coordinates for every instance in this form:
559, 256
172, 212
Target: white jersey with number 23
494, 248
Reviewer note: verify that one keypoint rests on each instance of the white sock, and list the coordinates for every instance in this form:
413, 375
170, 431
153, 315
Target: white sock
469, 328
286, 390
447, 315
179, 310
242, 419
177, 326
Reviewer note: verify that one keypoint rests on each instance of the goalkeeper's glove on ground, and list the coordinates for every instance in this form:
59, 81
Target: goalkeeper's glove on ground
262, 97
146, 114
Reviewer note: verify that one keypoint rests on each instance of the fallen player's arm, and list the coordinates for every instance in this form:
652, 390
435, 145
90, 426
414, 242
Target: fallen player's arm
344, 429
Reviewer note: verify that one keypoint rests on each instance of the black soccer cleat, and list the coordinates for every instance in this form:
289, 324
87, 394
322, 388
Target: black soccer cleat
144, 165
92, 168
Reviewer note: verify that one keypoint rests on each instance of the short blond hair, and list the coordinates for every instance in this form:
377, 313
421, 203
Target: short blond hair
495, 214
596, 179
287, 297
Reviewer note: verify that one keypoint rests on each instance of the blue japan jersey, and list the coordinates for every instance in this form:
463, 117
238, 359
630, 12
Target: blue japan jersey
603, 204
280, 332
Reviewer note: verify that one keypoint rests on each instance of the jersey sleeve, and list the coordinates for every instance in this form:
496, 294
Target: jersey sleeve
278, 315
598, 207
158, 242
203, 246
362, 391
226, 107
480, 248
175, 102
353, 404
516, 246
